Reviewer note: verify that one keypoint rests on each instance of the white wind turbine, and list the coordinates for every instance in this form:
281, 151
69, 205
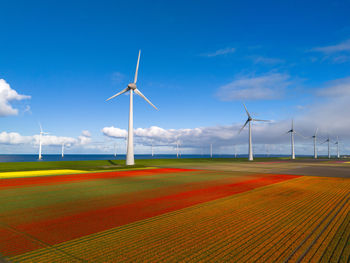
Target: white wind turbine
177, 149
292, 132
315, 143
337, 143
132, 88
115, 149
40, 140
249, 120
329, 153
152, 149
62, 150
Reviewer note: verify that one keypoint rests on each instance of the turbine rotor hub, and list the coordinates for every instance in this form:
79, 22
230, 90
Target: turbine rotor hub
132, 86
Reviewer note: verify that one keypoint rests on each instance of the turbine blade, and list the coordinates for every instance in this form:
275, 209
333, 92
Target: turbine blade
246, 110
297, 133
137, 67
123, 91
138, 92
316, 132
260, 120
243, 126
41, 128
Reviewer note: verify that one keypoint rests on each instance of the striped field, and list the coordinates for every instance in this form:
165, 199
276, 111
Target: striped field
175, 215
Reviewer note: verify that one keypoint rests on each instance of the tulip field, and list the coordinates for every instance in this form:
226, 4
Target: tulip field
173, 214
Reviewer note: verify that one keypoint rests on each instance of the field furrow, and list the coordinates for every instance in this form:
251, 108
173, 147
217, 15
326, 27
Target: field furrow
265, 224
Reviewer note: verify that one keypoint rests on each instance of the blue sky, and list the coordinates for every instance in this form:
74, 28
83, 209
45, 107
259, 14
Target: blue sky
200, 60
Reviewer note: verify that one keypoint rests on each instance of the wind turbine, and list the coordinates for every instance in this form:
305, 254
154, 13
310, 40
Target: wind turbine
177, 149
315, 144
152, 149
40, 141
62, 149
337, 143
292, 132
249, 120
267, 150
211, 150
132, 88
329, 153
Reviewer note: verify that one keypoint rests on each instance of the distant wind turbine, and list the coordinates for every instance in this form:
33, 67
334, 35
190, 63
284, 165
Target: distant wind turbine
40, 140
249, 120
62, 150
211, 150
337, 143
115, 149
292, 132
177, 149
267, 150
315, 144
152, 149
329, 153
132, 88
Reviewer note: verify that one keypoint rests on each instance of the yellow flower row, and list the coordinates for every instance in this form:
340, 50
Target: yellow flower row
37, 173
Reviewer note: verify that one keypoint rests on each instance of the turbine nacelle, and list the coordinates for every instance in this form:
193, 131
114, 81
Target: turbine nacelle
132, 86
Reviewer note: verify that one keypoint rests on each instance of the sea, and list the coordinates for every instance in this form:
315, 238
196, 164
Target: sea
87, 157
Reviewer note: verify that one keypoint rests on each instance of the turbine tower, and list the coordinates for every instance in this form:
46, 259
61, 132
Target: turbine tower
292, 132
62, 149
337, 143
40, 140
152, 149
177, 149
132, 88
329, 153
211, 150
315, 144
249, 120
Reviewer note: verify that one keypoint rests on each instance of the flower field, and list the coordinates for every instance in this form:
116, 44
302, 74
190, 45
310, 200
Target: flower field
175, 215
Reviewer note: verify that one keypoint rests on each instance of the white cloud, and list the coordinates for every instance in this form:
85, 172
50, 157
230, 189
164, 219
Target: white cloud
84, 138
114, 132
86, 133
338, 53
6, 96
341, 47
266, 60
53, 140
336, 88
14, 138
220, 52
270, 86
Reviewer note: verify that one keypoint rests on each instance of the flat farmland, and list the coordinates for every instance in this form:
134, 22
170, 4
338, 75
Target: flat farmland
175, 214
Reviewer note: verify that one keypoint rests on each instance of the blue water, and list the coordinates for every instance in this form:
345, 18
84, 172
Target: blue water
87, 157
